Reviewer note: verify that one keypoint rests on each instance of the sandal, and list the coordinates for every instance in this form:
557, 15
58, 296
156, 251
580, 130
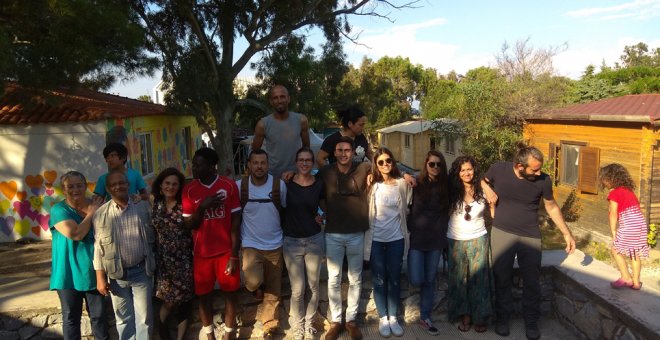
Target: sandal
480, 328
620, 284
636, 287
464, 327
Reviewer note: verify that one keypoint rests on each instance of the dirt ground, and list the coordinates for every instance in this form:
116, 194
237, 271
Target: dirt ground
22, 260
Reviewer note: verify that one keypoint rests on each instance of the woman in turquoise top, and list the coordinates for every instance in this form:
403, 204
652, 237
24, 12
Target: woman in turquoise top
72, 274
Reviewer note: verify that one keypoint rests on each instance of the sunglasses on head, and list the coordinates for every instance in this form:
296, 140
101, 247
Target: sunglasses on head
382, 162
468, 208
434, 164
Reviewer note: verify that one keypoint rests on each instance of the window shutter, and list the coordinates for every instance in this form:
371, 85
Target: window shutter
553, 156
588, 169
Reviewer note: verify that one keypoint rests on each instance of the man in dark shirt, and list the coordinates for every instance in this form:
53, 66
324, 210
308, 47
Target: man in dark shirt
518, 188
347, 219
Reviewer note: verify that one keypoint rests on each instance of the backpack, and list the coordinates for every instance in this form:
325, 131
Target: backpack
275, 193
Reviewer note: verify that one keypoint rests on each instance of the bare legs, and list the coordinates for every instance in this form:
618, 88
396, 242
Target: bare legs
636, 264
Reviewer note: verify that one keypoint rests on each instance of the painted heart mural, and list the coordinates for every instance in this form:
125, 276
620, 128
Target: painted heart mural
50, 176
7, 225
23, 227
9, 189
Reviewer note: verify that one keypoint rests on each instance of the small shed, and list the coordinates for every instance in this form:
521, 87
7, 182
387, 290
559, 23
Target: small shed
410, 141
44, 134
577, 140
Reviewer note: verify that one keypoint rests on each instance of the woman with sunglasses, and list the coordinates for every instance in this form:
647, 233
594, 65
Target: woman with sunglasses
428, 233
386, 240
303, 246
469, 273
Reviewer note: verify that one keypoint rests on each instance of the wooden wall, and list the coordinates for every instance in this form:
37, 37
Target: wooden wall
630, 144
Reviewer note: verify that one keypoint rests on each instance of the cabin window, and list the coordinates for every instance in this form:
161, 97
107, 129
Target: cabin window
578, 166
450, 144
146, 154
407, 141
570, 162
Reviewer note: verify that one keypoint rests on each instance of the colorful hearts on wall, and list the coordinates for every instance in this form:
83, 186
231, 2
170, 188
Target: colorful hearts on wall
36, 202
4, 206
34, 181
48, 203
21, 195
43, 221
50, 176
7, 225
9, 189
36, 231
23, 227
23, 209
91, 186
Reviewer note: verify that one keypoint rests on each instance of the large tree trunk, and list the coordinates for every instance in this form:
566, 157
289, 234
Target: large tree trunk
224, 141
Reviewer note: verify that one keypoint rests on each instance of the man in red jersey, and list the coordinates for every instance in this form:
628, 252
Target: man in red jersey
212, 209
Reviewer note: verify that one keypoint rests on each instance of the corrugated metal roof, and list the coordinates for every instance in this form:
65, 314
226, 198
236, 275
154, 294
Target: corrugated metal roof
411, 126
22, 106
633, 108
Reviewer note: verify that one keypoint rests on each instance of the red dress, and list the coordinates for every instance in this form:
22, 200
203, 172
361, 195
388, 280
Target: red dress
631, 236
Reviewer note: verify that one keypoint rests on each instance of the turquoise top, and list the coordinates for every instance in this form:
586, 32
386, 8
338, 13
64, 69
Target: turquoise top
72, 260
135, 184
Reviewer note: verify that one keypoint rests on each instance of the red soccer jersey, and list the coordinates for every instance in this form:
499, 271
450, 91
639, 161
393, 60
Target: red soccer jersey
213, 237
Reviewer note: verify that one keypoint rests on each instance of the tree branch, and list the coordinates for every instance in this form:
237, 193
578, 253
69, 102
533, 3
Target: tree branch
203, 39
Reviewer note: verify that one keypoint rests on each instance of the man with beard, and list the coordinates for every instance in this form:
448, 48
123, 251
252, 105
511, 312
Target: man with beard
261, 235
281, 133
517, 188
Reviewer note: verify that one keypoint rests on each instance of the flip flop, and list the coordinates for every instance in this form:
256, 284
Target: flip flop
636, 287
464, 327
620, 284
480, 328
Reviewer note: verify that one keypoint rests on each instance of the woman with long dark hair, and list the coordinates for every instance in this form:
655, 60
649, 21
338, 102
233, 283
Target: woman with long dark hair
469, 270
174, 278
353, 121
428, 232
386, 240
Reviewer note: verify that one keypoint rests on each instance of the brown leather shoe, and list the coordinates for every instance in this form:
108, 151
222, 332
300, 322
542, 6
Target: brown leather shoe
353, 330
334, 331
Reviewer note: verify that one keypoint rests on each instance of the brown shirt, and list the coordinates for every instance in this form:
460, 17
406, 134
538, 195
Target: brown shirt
346, 198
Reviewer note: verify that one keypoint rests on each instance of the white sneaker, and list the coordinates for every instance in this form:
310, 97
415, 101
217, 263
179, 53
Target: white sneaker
395, 327
384, 327
299, 333
310, 333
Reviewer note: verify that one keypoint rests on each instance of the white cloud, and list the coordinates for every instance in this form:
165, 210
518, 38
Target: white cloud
638, 9
404, 41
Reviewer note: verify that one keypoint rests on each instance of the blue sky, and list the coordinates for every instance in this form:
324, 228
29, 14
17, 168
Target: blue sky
461, 35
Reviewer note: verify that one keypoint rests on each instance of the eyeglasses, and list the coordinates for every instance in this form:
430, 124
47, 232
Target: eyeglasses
382, 162
434, 164
305, 161
467, 208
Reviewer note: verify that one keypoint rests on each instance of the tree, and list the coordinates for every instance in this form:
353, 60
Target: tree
197, 43
526, 62
145, 98
638, 55
71, 43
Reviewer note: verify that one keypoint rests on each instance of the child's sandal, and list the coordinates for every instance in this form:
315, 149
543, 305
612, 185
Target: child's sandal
620, 284
636, 287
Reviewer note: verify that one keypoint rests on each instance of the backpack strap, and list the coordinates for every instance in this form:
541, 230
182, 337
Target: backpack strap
245, 193
275, 194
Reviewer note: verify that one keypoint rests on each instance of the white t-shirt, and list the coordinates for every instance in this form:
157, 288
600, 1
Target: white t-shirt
387, 223
461, 229
261, 227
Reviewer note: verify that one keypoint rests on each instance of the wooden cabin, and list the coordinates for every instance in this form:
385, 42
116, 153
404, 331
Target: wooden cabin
577, 140
410, 141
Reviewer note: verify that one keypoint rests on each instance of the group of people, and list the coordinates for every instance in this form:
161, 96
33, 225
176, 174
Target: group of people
359, 208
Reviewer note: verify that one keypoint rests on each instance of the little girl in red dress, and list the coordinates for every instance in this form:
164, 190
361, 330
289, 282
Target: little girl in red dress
630, 238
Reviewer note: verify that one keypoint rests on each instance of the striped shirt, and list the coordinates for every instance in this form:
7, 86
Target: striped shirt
128, 237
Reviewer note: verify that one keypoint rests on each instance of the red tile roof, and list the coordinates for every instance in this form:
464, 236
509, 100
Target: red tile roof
22, 106
632, 108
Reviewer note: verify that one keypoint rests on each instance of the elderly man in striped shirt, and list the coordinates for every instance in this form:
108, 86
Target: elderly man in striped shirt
124, 258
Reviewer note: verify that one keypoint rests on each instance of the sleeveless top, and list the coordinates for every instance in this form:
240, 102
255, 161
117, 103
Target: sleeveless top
281, 141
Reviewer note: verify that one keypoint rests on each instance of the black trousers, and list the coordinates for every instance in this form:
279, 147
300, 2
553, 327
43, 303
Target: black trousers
505, 246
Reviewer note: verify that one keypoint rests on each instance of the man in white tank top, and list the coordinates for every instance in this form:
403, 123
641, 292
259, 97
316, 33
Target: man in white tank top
281, 133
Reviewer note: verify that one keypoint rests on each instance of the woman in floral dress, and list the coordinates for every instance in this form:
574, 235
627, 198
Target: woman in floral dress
174, 277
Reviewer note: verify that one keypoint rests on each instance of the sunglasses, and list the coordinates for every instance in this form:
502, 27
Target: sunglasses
433, 164
383, 161
468, 208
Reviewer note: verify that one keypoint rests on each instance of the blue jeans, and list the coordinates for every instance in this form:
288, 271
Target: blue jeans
303, 257
385, 262
423, 272
71, 301
336, 246
131, 300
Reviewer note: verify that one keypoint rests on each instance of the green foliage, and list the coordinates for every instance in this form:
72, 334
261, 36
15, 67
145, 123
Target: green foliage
599, 250
572, 207
653, 235
145, 98
71, 42
639, 55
